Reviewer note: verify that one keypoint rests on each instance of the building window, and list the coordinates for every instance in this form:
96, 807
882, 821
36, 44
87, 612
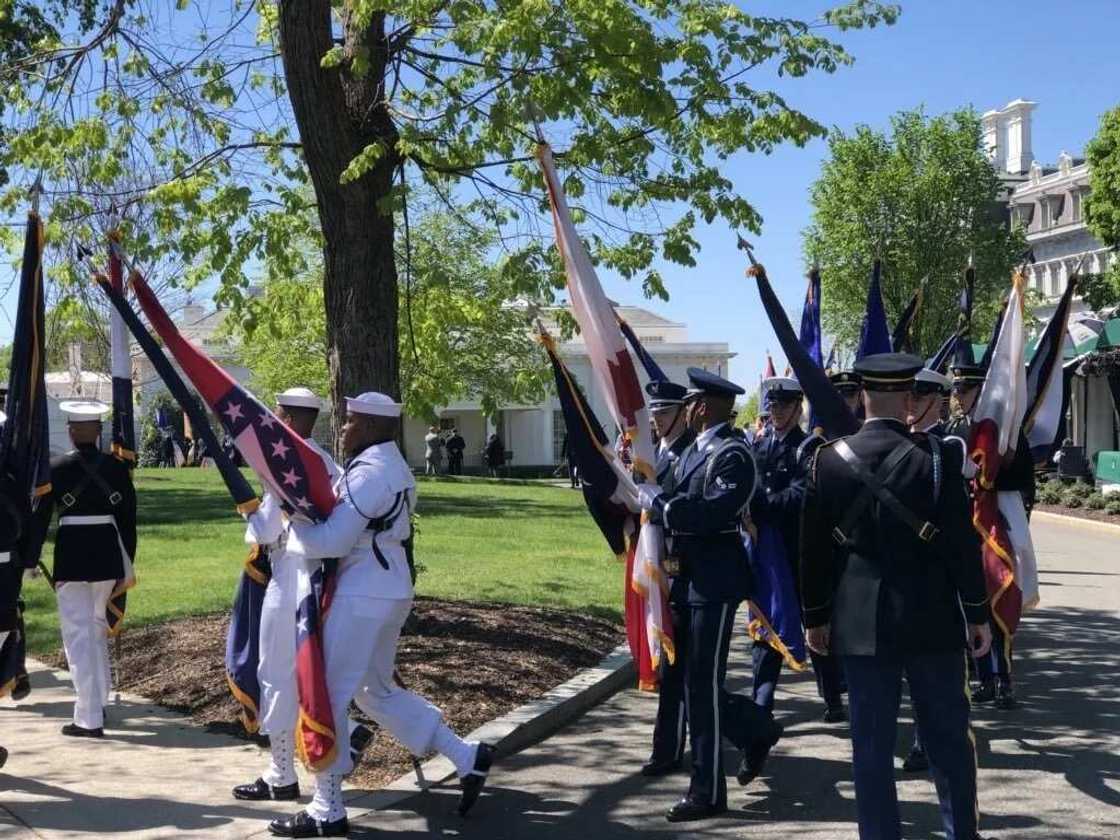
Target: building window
559, 432
1075, 205
1044, 219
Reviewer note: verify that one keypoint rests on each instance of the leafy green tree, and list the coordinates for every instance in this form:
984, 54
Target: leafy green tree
460, 335
922, 198
1102, 208
748, 412
188, 117
1100, 291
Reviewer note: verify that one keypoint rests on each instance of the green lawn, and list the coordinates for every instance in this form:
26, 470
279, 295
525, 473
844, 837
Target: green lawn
477, 540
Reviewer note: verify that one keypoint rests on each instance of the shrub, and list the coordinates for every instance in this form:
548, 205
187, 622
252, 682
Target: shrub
1049, 496
1052, 486
1095, 502
1081, 490
1072, 500
1113, 507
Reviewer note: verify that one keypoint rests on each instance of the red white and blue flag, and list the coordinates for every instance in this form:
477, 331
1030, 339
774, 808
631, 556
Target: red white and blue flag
297, 475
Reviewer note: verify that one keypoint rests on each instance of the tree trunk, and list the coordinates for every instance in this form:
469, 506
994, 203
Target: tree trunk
338, 116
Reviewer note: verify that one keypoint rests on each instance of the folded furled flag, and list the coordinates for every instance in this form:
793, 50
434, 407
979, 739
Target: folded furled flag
1047, 388
875, 335
774, 608
653, 370
902, 338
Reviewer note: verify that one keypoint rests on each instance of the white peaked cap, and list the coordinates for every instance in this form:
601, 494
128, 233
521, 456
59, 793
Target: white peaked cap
781, 383
83, 411
371, 402
299, 398
939, 379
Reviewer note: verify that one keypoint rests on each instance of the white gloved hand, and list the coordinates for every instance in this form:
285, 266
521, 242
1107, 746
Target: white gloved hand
646, 494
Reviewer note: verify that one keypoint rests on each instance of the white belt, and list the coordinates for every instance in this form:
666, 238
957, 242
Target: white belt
101, 519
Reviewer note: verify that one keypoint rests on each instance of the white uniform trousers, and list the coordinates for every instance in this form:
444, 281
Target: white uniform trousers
85, 638
276, 671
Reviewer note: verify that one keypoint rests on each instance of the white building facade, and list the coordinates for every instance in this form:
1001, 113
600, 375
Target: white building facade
533, 435
1048, 202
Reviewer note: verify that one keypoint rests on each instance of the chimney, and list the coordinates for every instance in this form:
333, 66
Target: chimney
1007, 136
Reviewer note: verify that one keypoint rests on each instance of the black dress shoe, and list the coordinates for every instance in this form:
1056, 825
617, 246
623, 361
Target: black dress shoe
75, 731
835, 714
304, 825
985, 693
1005, 697
916, 760
3, 756
472, 783
656, 767
689, 809
22, 687
260, 790
754, 756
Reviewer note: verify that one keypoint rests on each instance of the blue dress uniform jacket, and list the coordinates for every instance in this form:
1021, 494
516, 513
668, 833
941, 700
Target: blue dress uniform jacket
713, 486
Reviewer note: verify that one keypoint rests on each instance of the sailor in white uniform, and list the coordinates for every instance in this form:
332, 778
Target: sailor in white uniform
276, 671
370, 530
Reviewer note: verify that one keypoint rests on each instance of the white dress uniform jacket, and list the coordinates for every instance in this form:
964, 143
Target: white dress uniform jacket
276, 669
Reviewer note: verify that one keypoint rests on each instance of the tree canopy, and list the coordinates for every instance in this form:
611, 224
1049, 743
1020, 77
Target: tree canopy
1102, 208
203, 123
922, 198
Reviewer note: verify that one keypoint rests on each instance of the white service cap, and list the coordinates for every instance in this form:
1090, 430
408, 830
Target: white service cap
83, 411
371, 402
942, 381
299, 398
781, 383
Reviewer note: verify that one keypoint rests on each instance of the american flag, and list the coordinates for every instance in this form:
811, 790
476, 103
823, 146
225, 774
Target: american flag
296, 473
284, 461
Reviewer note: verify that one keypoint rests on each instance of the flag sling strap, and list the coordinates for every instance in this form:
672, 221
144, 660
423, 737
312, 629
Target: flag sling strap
875, 488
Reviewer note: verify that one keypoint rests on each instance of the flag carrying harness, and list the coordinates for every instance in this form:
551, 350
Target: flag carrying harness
874, 488
381, 524
92, 476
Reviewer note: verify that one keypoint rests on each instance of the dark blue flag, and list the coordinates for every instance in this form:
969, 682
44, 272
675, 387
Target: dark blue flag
962, 347
875, 335
775, 608
243, 637
902, 338
810, 335
653, 370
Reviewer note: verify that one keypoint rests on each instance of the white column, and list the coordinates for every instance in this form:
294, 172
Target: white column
546, 433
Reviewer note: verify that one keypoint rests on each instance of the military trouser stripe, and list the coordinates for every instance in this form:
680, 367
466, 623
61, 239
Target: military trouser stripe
717, 740
678, 752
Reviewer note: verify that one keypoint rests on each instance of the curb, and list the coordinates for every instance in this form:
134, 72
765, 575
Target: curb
1077, 521
521, 728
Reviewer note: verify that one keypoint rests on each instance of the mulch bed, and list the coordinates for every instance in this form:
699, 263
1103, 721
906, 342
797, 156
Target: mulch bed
475, 661
1080, 513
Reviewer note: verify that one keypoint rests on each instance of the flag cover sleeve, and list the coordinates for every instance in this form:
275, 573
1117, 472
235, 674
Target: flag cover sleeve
828, 406
962, 347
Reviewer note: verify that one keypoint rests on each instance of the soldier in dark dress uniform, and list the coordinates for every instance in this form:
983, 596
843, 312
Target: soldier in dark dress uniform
714, 479
993, 670
94, 547
890, 574
783, 459
667, 412
848, 384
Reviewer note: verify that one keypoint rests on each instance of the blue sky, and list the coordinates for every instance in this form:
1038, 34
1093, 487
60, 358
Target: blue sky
942, 54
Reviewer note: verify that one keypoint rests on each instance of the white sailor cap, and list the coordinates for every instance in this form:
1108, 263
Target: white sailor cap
781, 384
299, 398
83, 411
371, 402
930, 381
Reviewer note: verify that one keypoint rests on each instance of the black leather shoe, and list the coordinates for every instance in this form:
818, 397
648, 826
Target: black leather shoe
75, 731
986, 692
835, 714
655, 767
261, 790
359, 740
1005, 697
754, 756
915, 761
3, 756
473, 782
22, 687
303, 825
689, 809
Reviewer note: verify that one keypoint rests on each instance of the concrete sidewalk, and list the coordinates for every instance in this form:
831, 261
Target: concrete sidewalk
1049, 770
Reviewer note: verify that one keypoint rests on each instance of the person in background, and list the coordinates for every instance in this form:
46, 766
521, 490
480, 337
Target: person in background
494, 454
433, 453
455, 447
